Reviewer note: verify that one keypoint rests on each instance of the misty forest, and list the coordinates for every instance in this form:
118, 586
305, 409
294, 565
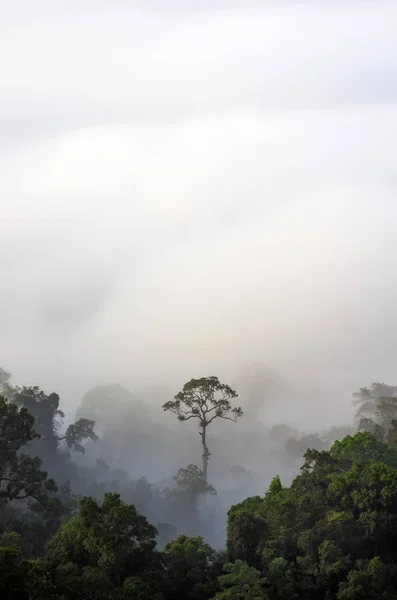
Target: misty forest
198, 342
122, 502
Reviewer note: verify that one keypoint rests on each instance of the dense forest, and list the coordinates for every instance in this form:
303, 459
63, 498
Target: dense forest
89, 510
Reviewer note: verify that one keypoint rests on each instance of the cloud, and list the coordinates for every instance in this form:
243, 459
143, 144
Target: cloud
189, 190
125, 64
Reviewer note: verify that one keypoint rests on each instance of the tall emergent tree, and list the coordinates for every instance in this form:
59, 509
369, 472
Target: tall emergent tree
205, 399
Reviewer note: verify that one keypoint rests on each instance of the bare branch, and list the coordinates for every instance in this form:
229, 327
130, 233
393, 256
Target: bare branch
216, 407
183, 418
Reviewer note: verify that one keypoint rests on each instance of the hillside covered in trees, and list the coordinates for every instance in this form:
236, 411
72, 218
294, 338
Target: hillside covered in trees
73, 526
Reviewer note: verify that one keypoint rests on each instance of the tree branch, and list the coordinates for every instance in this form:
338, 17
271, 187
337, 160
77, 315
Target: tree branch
184, 413
213, 408
228, 418
222, 417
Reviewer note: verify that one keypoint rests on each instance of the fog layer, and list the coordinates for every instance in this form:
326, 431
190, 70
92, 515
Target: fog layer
184, 192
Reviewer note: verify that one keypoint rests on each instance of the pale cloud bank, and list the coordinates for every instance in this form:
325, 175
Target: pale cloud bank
186, 190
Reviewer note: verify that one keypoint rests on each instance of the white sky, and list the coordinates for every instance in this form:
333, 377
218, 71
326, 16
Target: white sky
187, 189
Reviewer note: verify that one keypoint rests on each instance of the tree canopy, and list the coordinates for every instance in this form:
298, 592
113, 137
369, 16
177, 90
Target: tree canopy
205, 399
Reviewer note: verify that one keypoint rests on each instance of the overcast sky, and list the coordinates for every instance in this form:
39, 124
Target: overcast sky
190, 186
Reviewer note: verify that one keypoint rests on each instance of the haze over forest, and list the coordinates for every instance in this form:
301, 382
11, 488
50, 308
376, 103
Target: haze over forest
194, 189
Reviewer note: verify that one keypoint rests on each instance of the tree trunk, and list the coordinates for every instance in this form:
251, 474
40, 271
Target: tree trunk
206, 453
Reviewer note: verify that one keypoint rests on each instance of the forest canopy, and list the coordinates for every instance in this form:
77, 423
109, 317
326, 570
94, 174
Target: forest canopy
73, 526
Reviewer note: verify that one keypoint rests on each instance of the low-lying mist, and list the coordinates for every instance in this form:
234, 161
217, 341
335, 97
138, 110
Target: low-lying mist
154, 460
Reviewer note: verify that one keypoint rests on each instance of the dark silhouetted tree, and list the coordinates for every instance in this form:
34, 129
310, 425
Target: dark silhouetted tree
205, 399
21, 476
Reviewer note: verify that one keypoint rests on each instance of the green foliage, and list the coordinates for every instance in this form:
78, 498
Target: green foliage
370, 580
246, 527
138, 589
363, 446
281, 578
112, 538
329, 535
22, 579
241, 582
369, 493
10, 539
343, 506
192, 568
